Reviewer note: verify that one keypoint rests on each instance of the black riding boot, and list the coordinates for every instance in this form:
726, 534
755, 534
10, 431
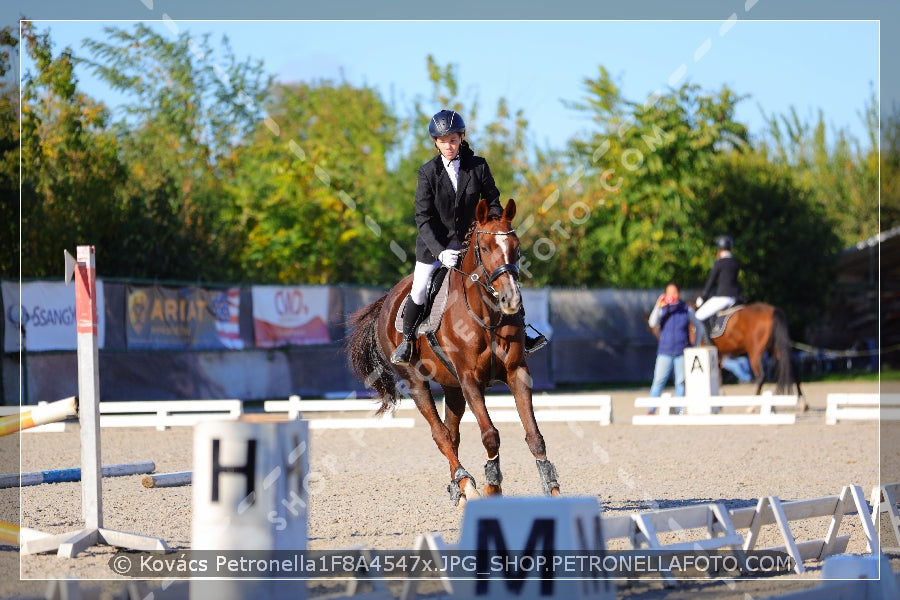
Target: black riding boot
412, 312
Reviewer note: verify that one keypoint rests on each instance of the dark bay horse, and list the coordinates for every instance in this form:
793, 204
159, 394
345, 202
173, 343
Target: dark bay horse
481, 335
754, 329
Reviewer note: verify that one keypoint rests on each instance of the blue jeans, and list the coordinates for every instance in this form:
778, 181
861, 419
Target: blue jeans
739, 366
665, 364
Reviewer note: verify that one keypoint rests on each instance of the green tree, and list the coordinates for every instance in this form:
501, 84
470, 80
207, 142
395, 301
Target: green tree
890, 170
70, 167
9, 155
839, 171
315, 200
642, 172
783, 237
192, 106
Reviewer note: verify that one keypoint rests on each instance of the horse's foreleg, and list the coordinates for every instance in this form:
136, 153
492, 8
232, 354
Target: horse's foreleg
462, 484
490, 437
519, 381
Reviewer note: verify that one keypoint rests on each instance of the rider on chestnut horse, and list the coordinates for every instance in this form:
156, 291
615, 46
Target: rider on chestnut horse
723, 279
448, 189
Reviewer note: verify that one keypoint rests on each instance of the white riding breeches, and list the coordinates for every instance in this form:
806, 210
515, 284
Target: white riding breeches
712, 306
421, 275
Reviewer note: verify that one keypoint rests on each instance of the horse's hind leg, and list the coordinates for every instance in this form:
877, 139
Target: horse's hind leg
519, 382
462, 485
756, 366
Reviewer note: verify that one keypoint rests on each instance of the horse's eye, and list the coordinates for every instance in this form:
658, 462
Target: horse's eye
484, 249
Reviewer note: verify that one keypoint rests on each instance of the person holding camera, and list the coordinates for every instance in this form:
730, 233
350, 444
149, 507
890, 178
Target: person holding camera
674, 319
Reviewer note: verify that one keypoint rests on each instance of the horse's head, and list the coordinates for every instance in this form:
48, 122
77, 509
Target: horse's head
494, 254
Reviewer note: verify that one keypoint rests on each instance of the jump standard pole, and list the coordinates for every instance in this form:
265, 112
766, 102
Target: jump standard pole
71, 543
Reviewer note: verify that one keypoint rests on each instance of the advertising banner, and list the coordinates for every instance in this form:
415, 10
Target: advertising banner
182, 318
47, 314
284, 315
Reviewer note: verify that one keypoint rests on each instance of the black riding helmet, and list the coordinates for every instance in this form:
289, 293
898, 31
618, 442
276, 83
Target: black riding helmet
724, 242
445, 123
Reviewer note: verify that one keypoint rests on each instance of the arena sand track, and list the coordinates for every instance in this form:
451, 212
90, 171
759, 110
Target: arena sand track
380, 488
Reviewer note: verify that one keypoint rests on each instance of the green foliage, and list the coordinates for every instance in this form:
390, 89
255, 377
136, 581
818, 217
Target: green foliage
644, 170
840, 174
9, 155
315, 201
784, 239
890, 170
212, 173
70, 168
191, 107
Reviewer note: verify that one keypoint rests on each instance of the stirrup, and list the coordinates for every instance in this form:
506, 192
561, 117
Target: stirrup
533, 344
403, 354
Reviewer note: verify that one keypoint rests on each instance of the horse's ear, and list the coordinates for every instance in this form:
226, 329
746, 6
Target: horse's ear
481, 211
510, 211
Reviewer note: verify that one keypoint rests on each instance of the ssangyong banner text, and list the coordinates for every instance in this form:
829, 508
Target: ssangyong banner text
46, 313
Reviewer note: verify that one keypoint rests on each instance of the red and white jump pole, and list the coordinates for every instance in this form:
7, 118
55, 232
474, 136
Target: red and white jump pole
70, 544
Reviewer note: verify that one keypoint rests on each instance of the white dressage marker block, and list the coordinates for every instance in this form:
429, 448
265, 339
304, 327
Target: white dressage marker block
765, 402
513, 543
249, 494
860, 407
550, 407
701, 376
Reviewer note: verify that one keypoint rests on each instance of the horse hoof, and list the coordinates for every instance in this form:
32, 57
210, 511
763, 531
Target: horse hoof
492, 490
554, 491
469, 490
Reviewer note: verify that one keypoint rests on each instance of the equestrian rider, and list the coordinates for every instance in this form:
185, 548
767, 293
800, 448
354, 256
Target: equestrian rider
448, 189
723, 278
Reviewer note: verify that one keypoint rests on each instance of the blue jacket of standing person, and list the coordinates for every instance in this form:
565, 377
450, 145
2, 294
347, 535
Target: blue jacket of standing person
674, 328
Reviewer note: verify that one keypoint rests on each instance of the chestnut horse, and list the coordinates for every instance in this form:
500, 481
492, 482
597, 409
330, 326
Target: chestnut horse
481, 337
752, 330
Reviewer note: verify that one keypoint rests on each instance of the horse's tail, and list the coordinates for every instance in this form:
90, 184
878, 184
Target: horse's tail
780, 341
366, 357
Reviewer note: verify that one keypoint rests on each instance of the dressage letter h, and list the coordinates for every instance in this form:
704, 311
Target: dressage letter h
248, 470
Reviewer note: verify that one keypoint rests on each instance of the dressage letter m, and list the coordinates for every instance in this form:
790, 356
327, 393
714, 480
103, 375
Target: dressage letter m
490, 535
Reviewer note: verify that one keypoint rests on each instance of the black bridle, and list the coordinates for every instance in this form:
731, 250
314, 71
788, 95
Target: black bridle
487, 280
511, 268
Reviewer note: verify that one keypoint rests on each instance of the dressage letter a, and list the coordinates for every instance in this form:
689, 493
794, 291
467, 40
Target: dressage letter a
696, 364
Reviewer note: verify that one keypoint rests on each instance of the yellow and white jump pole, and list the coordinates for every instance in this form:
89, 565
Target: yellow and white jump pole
39, 415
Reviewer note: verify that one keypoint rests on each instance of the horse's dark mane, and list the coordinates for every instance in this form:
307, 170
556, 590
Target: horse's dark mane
470, 234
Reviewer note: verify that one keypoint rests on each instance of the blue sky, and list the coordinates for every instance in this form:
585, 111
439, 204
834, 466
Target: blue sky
830, 66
